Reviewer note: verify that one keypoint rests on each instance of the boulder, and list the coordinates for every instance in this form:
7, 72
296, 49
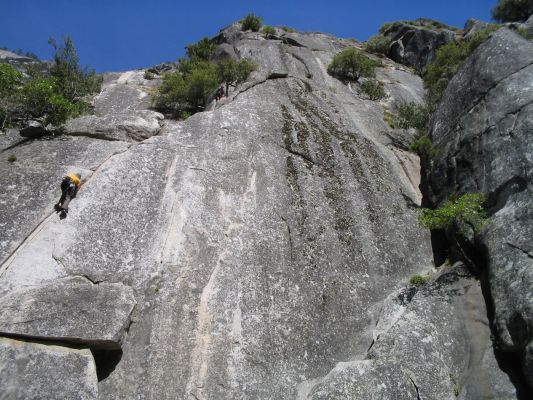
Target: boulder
70, 310
316, 41
472, 26
33, 371
128, 127
121, 111
414, 43
34, 129
159, 69
482, 129
224, 51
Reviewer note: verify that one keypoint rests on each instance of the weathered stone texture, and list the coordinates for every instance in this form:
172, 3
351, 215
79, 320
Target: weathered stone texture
483, 130
121, 111
32, 371
72, 310
415, 43
429, 342
260, 240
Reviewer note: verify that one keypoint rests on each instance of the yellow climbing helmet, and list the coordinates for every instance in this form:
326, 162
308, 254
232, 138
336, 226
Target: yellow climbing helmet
76, 178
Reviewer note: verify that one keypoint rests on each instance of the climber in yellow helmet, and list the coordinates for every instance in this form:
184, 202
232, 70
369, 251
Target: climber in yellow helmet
69, 189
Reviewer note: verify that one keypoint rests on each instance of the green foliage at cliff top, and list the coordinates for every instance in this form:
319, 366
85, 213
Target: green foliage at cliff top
187, 90
201, 51
252, 22
512, 10
449, 59
53, 97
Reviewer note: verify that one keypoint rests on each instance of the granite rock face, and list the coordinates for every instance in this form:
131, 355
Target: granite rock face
483, 128
414, 43
121, 111
262, 240
32, 371
429, 342
73, 310
473, 26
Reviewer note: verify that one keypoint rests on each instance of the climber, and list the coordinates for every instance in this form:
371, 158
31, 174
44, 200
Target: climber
219, 93
69, 188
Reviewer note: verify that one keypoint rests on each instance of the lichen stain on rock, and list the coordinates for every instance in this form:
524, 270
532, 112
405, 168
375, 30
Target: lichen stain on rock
297, 195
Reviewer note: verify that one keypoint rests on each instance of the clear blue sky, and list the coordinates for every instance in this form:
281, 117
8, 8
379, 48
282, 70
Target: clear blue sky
117, 35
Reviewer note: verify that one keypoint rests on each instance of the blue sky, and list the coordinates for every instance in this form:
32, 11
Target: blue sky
117, 35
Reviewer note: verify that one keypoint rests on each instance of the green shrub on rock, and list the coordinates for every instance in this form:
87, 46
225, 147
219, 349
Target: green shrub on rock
42, 97
378, 44
287, 29
231, 72
448, 60
411, 115
252, 22
201, 82
423, 146
10, 82
201, 51
53, 97
187, 92
385, 27
465, 211
512, 10
74, 82
10, 79
269, 32
418, 280
373, 89
351, 64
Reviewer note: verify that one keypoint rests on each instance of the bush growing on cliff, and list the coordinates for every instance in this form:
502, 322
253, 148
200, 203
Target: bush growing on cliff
231, 72
378, 44
287, 29
252, 22
73, 81
411, 115
201, 51
269, 32
512, 10
373, 89
423, 146
42, 98
465, 211
10, 81
418, 280
187, 90
52, 98
351, 64
448, 60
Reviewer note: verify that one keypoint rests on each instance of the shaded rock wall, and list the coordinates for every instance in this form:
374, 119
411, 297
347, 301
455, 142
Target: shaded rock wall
483, 130
415, 43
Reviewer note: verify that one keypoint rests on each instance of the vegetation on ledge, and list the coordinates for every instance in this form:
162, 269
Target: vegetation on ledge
53, 97
351, 64
466, 211
187, 90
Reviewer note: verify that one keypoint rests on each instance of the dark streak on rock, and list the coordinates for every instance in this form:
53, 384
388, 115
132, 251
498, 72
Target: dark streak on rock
416, 388
520, 249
